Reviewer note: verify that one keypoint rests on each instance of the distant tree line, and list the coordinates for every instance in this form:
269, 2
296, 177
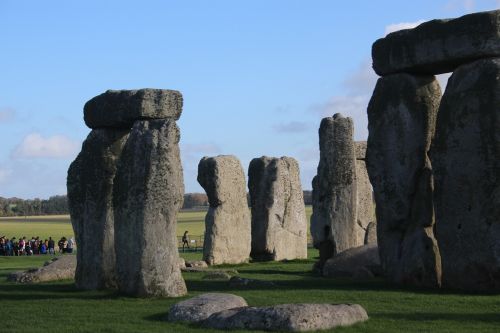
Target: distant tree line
58, 204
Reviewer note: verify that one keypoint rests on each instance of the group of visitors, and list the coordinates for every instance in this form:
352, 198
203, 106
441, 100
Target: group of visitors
34, 246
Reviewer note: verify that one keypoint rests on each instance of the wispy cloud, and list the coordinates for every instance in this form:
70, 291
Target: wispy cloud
402, 25
34, 145
292, 127
7, 114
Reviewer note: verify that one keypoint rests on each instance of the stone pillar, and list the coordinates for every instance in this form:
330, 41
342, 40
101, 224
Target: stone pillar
90, 198
227, 223
402, 115
279, 226
466, 163
124, 192
365, 208
334, 225
148, 193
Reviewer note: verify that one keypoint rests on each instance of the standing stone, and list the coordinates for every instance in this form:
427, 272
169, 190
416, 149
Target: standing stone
439, 46
147, 195
90, 198
279, 226
401, 121
333, 224
466, 163
227, 223
365, 208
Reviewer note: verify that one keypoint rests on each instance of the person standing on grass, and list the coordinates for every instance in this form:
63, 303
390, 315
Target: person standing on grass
60, 244
69, 245
21, 245
185, 240
51, 245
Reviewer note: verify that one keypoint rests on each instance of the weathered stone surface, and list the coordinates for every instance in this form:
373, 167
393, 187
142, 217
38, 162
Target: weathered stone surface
90, 199
227, 223
196, 263
360, 150
439, 46
371, 233
121, 108
288, 317
217, 275
401, 122
60, 268
365, 207
203, 306
333, 224
466, 163
279, 225
148, 192
362, 261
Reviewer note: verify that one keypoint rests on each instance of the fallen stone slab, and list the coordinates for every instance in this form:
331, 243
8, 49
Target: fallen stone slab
121, 108
216, 276
203, 306
359, 262
196, 263
237, 281
288, 317
60, 268
438, 46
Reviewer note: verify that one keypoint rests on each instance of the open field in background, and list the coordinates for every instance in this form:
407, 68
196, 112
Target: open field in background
58, 226
58, 306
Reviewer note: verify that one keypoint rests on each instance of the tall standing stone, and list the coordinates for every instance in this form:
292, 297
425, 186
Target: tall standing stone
466, 163
227, 223
402, 115
148, 192
365, 208
90, 198
333, 224
279, 226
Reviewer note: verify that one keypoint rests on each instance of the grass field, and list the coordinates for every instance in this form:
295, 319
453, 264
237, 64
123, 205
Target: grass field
59, 307
57, 226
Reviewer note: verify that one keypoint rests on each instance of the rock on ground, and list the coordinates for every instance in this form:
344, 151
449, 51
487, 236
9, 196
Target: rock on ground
148, 192
438, 46
227, 223
401, 121
288, 317
203, 306
363, 260
334, 225
239, 282
61, 268
466, 162
90, 199
279, 225
121, 108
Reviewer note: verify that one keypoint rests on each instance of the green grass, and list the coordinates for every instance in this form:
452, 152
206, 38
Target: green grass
58, 306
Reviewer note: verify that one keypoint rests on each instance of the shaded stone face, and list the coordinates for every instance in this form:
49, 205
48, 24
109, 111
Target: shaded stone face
279, 226
227, 223
148, 192
121, 108
90, 198
466, 162
365, 208
402, 114
334, 188
438, 46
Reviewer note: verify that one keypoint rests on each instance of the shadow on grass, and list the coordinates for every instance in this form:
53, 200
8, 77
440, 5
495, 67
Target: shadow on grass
58, 290
427, 316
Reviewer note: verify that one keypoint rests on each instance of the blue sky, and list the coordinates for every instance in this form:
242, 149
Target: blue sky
257, 76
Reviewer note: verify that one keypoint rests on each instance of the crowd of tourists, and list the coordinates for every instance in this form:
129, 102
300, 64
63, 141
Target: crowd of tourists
35, 246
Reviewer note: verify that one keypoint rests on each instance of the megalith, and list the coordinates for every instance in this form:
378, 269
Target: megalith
279, 226
227, 223
90, 198
365, 208
334, 225
466, 163
402, 114
148, 192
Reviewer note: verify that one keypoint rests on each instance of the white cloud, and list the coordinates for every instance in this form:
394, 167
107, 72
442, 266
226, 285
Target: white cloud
291, 127
6, 114
34, 145
403, 25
